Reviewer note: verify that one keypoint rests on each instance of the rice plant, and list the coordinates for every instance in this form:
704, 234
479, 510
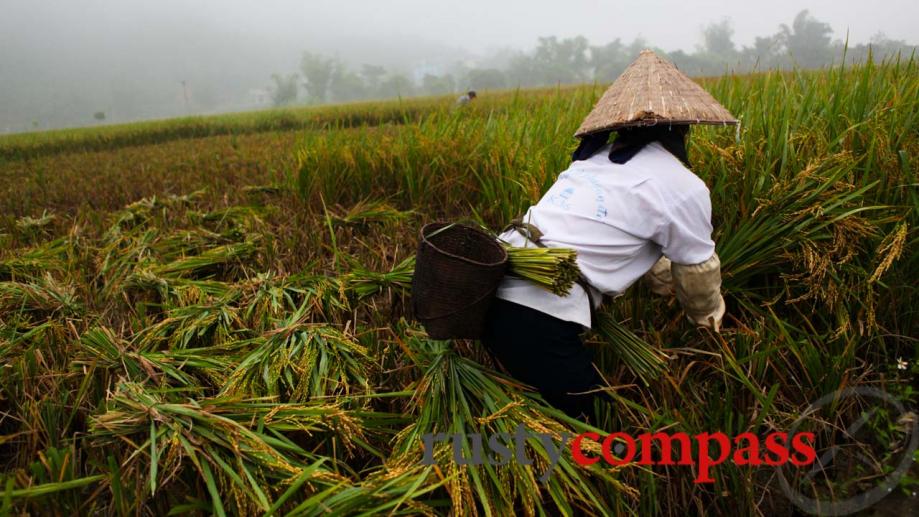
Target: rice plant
44, 297
50, 257
460, 398
643, 359
237, 464
298, 361
167, 346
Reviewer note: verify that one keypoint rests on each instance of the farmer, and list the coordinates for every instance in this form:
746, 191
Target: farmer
466, 98
630, 208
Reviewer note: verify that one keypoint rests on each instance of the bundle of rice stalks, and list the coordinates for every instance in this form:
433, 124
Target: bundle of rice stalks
553, 269
324, 298
193, 368
208, 262
171, 201
238, 449
131, 258
34, 262
263, 190
122, 254
34, 226
238, 220
366, 212
43, 297
363, 283
213, 323
136, 257
180, 291
646, 361
176, 244
462, 399
298, 361
21, 266
266, 298
144, 211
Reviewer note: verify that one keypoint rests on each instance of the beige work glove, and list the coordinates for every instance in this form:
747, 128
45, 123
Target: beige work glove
659, 278
698, 288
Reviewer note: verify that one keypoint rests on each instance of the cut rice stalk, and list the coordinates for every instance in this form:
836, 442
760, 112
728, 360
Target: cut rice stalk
553, 269
642, 358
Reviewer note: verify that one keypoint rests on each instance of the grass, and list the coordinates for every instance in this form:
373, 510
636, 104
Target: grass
209, 315
24, 146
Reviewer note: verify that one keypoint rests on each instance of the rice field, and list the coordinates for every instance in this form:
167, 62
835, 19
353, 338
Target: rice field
210, 316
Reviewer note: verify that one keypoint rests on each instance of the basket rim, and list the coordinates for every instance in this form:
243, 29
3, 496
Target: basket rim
440, 224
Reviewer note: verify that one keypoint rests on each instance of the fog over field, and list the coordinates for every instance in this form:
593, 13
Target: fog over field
92, 62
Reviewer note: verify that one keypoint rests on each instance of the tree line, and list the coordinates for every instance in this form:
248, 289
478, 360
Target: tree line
806, 43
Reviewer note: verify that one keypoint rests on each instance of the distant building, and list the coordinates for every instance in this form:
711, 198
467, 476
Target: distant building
469, 63
259, 96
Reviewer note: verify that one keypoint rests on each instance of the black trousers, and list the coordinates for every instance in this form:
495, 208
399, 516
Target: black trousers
544, 352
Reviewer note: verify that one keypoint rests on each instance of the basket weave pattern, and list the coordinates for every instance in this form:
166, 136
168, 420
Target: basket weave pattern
652, 91
457, 272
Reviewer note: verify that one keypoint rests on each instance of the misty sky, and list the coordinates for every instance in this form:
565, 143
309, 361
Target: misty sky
476, 25
55, 55
670, 24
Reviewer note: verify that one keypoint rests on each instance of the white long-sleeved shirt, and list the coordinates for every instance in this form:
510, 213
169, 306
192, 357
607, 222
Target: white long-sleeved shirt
620, 218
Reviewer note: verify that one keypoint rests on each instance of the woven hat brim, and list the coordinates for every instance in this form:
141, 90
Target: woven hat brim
660, 122
653, 91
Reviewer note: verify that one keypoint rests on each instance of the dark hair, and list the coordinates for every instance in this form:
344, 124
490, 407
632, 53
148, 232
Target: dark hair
629, 141
471, 94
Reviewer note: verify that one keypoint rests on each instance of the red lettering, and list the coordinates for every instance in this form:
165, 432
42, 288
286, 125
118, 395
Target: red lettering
608, 449
742, 455
776, 450
578, 454
666, 444
706, 462
776, 445
808, 454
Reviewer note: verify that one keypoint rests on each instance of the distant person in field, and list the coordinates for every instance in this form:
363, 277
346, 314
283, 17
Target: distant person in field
630, 207
465, 98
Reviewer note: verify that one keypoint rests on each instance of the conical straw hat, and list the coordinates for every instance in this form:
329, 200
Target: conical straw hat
652, 91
